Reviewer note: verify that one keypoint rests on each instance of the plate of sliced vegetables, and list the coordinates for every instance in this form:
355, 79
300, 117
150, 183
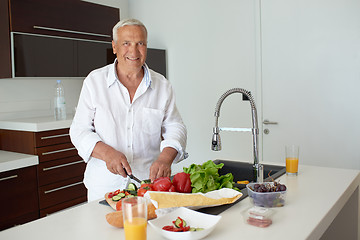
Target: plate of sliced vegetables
185, 224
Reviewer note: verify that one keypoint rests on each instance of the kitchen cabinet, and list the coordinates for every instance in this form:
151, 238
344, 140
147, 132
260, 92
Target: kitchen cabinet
5, 60
60, 170
64, 19
19, 198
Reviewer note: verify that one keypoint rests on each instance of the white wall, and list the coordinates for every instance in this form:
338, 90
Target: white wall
210, 49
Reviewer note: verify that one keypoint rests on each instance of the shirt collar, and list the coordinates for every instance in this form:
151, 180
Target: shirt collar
112, 76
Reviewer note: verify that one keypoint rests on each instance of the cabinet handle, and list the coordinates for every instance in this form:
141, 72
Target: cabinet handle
57, 151
7, 178
63, 187
62, 165
70, 31
54, 136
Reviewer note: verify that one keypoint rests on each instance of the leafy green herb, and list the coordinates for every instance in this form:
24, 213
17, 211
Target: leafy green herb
205, 178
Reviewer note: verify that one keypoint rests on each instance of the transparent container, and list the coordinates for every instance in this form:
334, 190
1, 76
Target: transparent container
266, 199
258, 216
59, 102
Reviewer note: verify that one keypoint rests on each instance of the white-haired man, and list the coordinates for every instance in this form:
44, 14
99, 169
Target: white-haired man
126, 118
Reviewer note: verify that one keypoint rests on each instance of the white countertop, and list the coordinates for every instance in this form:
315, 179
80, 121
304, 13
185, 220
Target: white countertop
311, 206
36, 124
11, 160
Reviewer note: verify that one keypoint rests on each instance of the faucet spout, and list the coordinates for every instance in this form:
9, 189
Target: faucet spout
216, 143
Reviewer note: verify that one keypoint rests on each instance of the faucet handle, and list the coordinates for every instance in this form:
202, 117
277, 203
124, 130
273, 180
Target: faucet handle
269, 122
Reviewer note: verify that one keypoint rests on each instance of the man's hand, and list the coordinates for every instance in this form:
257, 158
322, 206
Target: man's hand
116, 161
162, 166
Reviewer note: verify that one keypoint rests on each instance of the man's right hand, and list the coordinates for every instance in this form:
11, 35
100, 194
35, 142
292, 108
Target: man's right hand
116, 161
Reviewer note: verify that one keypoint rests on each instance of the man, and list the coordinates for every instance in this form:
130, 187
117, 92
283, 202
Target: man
126, 118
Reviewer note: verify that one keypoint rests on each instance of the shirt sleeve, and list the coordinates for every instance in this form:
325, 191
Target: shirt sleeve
174, 131
82, 131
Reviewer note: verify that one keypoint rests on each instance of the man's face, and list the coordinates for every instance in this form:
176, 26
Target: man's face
130, 48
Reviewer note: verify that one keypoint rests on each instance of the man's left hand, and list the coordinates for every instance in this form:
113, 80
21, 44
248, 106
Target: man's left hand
162, 166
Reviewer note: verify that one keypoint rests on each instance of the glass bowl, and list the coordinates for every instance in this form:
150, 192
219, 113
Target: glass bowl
266, 199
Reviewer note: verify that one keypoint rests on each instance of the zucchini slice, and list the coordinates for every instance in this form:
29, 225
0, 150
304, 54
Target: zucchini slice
132, 187
180, 223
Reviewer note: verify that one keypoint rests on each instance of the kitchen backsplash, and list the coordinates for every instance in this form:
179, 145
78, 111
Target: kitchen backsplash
33, 97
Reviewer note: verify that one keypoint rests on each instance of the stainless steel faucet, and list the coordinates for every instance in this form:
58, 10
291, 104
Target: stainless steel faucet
216, 141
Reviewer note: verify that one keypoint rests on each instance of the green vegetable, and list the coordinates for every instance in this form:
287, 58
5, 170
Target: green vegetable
132, 187
192, 229
179, 222
118, 197
205, 178
147, 181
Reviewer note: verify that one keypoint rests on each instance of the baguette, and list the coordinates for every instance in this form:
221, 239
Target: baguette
116, 218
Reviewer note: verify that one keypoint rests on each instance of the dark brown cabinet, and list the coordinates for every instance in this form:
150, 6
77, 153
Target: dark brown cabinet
60, 170
19, 198
58, 24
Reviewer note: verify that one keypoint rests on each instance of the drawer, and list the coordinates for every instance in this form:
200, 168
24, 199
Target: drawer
54, 152
18, 193
60, 170
52, 137
17, 141
61, 192
61, 206
8, 222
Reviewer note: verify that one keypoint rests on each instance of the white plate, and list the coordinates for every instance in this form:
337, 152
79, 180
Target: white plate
192, 218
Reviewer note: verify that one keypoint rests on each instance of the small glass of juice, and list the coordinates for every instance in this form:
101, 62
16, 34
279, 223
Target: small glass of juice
135, 217
292, 159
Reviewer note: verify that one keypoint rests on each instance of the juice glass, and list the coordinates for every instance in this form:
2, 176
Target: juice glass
292, 159
135, 217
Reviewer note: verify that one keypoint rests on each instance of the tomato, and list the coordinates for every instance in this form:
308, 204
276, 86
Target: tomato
119, 205
172, 188
144, 188
182, 182
111, 194
148, 186
162, 184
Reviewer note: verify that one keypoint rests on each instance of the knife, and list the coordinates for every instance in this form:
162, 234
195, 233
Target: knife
133, 177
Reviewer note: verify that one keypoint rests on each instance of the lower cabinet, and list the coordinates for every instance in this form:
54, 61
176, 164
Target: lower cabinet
55, 184
19, 197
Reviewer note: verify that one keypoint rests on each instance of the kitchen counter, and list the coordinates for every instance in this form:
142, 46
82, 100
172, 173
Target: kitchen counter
315, 198
11, 160
36, 124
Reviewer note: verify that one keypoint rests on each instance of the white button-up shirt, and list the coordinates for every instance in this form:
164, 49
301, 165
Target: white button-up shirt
140, 130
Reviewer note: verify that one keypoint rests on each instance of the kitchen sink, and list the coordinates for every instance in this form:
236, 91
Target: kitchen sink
242, 171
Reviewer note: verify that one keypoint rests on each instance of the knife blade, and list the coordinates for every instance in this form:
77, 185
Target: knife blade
134, 178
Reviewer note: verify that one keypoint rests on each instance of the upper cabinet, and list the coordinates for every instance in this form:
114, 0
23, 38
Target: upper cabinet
46, 38
5, 60
68, 18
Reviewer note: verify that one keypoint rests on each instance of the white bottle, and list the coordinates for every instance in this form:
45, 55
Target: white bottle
59, 102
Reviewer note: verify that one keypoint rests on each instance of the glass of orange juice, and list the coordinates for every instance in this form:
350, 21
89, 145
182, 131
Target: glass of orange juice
135, 217
292, 159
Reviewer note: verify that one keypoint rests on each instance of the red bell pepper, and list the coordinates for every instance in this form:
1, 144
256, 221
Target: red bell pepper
182, 182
